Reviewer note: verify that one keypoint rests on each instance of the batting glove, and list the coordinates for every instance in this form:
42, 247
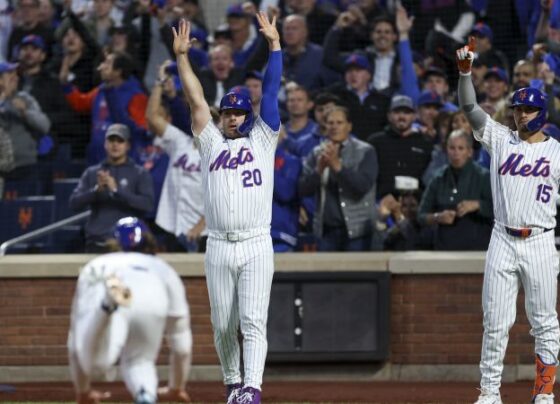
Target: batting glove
465, 57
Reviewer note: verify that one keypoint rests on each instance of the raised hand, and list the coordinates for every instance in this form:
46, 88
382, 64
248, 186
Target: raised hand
465, 56
268, 28
182, 41
403, 21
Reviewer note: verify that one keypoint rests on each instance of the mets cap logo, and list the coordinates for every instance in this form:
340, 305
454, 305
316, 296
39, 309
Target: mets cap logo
232, 98
522, 95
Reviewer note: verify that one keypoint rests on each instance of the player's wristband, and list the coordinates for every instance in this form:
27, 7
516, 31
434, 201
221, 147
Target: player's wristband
465, 74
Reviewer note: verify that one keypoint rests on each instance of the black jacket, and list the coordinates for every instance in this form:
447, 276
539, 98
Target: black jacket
397, 155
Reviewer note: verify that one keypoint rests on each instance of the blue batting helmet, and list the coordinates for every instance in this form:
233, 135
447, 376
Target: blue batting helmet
242, 101
532, 97
130, 233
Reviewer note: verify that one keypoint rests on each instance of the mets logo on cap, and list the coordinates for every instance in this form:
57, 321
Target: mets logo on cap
232, 98
522, 95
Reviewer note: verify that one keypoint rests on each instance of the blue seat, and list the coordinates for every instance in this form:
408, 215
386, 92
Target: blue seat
14, 189
62, 189
22, 215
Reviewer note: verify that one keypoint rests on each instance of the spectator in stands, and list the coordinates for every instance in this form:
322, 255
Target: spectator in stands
382, 56
221, 76
181, 205
46, 89
341, 173
6, 26
100, 22
24, 121
298, 104
244, 38
458, 200
253, 82
523, 72
401, 151
317, 19
302, 59
368, 107
322, 103
28, 12
49, 15
6, 158
361, 14
81, 54
429, 106
285, 200
496, 89
119, 100
486, 53
435, 79
112, 189
407, 233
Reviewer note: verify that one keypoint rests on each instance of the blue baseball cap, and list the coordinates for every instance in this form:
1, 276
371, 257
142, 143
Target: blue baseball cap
357, 60
254, 74
497, 72
482, 29
34, 40
240, 90
236, 10
7, 67
430, 98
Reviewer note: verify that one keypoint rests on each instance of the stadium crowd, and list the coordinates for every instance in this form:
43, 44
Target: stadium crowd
374, 153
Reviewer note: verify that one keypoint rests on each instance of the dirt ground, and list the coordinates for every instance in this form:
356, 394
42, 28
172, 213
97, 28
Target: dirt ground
294, 392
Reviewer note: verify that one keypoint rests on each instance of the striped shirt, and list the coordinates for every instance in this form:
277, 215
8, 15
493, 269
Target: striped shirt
238, 177
524, 177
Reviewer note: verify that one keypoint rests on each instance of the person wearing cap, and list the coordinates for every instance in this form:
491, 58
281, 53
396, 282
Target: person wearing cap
24, 121
496, 88
435, 79
401, 151
112, 189
486, 52
368, 107
180, 211
125, 303
341, 173
458, 199
244, 36
253, 82
46, 89
29, 19
429, 104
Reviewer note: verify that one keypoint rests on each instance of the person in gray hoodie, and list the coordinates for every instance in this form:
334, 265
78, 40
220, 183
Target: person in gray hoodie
23, 120
113, 189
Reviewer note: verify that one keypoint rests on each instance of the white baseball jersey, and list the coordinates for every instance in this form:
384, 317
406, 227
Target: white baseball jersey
134, 334
238, 177
524, 177
181, 203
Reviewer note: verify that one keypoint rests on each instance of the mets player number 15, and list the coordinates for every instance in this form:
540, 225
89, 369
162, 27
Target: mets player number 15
524, 173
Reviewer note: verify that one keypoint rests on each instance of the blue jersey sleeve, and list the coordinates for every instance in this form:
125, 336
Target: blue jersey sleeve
271, 87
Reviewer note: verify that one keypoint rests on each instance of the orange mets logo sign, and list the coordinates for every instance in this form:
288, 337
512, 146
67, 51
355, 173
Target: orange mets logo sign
232, 98
25, 217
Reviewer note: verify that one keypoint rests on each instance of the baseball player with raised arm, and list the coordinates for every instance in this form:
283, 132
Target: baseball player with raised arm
525, 173
238, 181
125, 302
